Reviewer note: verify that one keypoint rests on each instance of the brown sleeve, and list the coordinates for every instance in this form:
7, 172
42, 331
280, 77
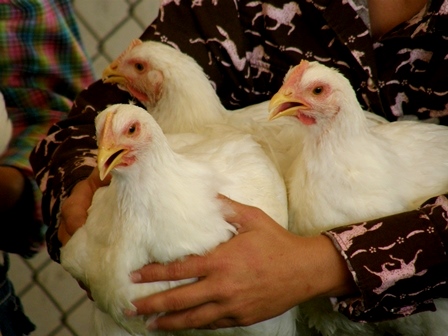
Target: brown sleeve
398, 262
67, 155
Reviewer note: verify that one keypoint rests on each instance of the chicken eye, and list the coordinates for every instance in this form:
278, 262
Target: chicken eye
318, 90
132, 129
139, 67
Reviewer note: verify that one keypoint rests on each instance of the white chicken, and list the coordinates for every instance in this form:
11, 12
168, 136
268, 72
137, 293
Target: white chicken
173, 86
160, 206
349, 172
181, 98
5, 126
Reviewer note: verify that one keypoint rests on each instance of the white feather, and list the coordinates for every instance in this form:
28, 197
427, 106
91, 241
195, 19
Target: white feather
164, 207
349, 172
187, 102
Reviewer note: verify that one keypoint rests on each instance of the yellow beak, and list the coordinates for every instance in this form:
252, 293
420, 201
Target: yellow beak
282, 105
109, 154
112, 75
108, 158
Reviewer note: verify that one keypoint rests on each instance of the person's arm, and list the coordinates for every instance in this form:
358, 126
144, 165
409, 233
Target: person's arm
234, 277
260, 273
67, 156
399, 262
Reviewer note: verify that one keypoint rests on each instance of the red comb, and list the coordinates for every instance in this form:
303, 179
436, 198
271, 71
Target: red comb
295, 74
301, 68
134, 42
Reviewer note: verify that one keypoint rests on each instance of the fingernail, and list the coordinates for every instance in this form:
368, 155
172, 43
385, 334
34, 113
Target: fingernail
136, 277
152, 326
130, 313
151, 323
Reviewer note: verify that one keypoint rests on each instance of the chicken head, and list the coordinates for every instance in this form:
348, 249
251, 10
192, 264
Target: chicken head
121, 136
313, 93
135, 74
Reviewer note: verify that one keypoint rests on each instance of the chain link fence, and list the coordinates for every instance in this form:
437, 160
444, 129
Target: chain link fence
50, 296
107, 26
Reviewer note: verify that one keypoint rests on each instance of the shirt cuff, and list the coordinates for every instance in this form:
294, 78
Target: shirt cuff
397, 263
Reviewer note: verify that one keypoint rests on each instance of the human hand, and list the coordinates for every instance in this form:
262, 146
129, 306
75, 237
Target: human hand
12, 184
20, 232
74, 208
258, 274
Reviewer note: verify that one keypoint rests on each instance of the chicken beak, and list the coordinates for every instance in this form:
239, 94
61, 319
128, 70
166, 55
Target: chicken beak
108, 158
109, 154
281, 104
112, 75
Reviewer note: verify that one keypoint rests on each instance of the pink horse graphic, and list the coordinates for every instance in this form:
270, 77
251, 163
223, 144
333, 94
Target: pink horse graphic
283, 16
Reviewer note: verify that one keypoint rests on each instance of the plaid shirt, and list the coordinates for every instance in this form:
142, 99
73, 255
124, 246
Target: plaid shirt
43, 65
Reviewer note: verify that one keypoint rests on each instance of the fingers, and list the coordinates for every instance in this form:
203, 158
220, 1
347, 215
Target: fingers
190, 267
86, 289
74, 212
63, 235
207, 316
74, 208
177, 300
208, 302
244, 217
96, 182
222, 323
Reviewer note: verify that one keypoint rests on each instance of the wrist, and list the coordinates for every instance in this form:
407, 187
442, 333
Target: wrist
333, 277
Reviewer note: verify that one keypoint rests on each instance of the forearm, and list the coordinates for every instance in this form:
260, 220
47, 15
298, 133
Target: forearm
332, 274
398, 260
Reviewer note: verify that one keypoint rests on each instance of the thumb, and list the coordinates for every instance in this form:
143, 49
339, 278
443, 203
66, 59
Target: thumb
95, 181
74, 208
242, 216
